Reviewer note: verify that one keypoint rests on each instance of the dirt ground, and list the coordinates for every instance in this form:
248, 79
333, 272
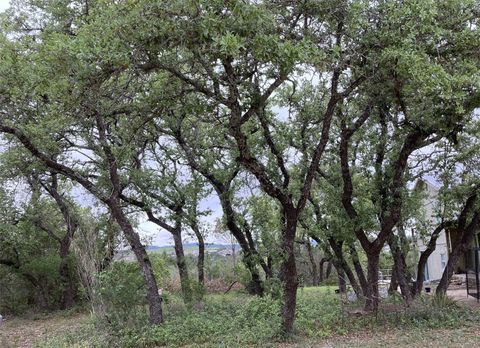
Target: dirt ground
460, 296
24, 332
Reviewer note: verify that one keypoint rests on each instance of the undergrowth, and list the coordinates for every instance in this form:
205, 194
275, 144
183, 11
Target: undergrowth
238, 320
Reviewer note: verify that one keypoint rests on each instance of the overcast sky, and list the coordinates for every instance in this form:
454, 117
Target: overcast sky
3, 4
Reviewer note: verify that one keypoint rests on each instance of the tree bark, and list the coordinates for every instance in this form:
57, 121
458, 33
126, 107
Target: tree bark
372, 297
69, 286
67, 276
358, 268
329, 269
289, 273
342, 284
400, 270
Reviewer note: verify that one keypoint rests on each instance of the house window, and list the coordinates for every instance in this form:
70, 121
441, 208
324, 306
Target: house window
426, 276
443, 261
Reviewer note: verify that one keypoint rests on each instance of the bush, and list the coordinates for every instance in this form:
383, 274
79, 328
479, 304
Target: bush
122, 293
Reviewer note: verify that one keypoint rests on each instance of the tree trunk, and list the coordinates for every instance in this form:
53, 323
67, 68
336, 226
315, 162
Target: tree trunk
182, 265
341, 263
393, 282
358, 268
400, 270
153, 297
289, 274
313, 263
372, 296
66, 275
342, 284
329, 269
255, 286
320, 269
201, 258
453, 259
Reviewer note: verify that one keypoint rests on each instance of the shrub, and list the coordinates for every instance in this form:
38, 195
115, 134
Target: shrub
122, 294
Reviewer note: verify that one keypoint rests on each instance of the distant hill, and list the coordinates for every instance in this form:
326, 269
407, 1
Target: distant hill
193, 245
189, 249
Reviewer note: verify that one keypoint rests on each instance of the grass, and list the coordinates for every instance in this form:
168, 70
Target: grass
238, 320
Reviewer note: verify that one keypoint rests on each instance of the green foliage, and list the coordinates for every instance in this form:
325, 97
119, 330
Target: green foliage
122, 293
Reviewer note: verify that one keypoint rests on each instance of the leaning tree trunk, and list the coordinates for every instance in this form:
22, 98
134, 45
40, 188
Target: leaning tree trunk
432, 244
453, 259
358, 268
153, 297
182, 265
467, 235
